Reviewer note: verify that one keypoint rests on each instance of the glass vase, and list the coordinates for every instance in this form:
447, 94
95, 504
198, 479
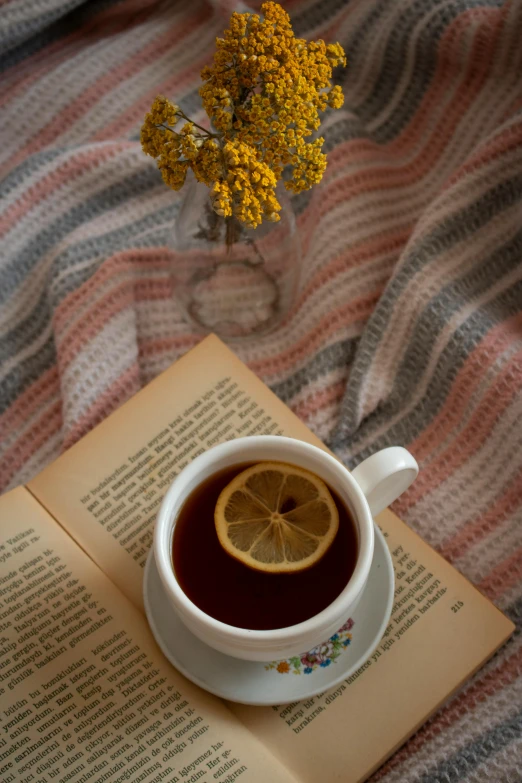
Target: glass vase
231, 280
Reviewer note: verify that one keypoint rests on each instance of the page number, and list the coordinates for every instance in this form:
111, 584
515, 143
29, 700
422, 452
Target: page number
455, 608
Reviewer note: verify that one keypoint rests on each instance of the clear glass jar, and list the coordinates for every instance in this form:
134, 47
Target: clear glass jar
230, 280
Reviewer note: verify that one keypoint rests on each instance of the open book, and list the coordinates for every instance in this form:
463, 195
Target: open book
85, 693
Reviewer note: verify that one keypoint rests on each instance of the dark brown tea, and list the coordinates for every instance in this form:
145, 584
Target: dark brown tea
235, 594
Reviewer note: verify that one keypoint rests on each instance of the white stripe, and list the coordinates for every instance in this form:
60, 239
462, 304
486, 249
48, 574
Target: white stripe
86, 378
484, 556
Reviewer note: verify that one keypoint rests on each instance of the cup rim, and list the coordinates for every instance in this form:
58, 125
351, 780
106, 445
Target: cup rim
244, 448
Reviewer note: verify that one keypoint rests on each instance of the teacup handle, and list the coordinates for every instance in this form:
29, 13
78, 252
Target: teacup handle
385, 475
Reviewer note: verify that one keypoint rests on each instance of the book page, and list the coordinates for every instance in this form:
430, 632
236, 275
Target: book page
441, 630
106, 489
85, 694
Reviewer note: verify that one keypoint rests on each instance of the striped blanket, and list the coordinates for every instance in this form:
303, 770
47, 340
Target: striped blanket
408, 324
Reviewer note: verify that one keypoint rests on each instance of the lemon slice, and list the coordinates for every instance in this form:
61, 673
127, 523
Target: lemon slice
275, 517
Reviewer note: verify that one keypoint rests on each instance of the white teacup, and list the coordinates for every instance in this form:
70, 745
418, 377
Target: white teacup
373, 485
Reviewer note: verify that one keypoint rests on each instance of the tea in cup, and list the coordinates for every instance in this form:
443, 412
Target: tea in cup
251, 613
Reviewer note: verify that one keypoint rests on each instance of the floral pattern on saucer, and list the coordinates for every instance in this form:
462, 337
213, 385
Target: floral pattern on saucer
321, 656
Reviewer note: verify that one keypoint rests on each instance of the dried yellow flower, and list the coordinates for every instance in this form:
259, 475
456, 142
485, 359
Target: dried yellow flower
263, 95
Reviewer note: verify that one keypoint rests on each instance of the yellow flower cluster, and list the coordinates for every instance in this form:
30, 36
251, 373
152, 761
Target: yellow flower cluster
248, 190
159, 140
263, 94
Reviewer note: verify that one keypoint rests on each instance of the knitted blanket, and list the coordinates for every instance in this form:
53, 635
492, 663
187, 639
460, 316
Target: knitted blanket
408, 324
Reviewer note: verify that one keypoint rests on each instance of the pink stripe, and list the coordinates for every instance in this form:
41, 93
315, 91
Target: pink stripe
353, 257
364, 150
507, 140
506, 575
513, 108
421, 125
120, 297
120, 391
114, 301
355, 311
67, 172
177, 345
478, 67
43, 390
320, 399
493, 517
48, 423
329, 31
130, 261
337, 319
107, 304
89, 97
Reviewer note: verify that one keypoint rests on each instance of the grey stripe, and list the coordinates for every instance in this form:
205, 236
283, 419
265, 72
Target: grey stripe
11, 35
514, 612
455, 353
474, 753
394, 61
158, 223
324, 361
28, 168
464, 339
309, 18
342, 130
17, 269
26, 331
359, 38
65, 26
35, 320
444, 305
492, 741
24, 373
454, 229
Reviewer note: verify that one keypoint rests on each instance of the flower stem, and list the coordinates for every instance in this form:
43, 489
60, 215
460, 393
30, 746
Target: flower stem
230, 233
208, 133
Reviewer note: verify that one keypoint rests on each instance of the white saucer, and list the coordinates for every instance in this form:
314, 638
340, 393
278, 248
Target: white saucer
254, 683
